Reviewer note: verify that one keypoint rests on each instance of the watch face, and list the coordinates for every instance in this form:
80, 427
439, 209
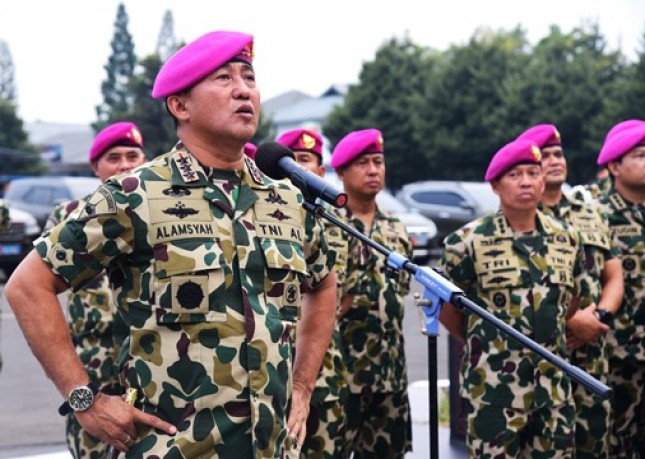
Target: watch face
81, 398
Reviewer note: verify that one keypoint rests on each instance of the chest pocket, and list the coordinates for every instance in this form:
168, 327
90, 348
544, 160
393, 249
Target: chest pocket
188, 259
632, 250
281, 233
560, 259
592, 230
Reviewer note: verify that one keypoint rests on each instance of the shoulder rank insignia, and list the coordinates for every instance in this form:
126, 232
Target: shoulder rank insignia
254, 171
184, 164
180, 210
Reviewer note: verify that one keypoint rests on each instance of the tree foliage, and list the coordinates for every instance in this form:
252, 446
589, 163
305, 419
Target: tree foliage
166, 42
117, 98
16, 154
8, 89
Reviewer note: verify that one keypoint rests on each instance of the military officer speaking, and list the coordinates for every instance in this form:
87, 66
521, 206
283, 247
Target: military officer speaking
210, 261
526, 269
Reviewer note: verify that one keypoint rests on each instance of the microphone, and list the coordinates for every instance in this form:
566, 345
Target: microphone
278, 162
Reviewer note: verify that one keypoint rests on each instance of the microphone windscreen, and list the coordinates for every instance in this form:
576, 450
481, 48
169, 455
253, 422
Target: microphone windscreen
267, 157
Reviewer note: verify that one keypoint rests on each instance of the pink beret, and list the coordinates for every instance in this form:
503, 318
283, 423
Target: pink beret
623, 125
117, 134
250, 150
355, 144
302, 140
623, 142
198, 59
543, 135
519, 151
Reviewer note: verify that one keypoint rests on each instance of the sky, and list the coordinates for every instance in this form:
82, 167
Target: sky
60, 47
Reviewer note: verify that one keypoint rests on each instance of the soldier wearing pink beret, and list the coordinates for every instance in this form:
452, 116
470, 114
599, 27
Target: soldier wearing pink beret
306, 145
96, 330
211, 261
377, 409
250, 150
623, 153
516, 406
586, 328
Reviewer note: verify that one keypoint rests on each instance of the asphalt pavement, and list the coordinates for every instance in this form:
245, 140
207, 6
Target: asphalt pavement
31, 426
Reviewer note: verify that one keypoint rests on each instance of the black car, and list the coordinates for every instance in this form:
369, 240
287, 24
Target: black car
450, 204
17, 241
39, 195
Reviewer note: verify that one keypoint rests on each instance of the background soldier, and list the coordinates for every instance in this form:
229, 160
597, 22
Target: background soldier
378, 410
587, 327
93, 322
325, 424
210, 260
623, 154
526, 269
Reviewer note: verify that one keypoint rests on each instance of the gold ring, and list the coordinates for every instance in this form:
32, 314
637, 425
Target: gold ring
127, 440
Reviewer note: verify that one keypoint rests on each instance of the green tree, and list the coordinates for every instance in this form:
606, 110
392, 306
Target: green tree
565, 83
456, 123
382, 100
17, 156
7, 84
117, 98
166, 42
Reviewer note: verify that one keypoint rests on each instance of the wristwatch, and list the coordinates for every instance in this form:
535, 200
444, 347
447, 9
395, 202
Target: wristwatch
606, 317
80, 399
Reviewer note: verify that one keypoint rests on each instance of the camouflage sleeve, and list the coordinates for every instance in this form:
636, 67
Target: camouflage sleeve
582, 289
82, 245
354, 254
405, 277
320, 259
457, 262
5, 221
60, 213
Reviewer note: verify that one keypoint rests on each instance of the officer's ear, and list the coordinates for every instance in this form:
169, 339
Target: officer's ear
176, 106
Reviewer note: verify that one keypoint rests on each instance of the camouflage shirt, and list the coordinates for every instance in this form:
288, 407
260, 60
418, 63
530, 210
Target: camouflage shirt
527, 281
5, 220
371, 330
91, 317
208, 269
627, 223
599, 247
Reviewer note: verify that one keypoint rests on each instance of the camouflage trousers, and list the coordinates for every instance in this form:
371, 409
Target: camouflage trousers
81, 444
325, 430
497, 431
592, 413
378, 425
627, 379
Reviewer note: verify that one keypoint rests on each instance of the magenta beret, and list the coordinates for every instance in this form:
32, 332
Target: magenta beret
117, 134
623, 142
623, 125
250, 150
198, 59
543, 135
355, 144
302, 140
519, 151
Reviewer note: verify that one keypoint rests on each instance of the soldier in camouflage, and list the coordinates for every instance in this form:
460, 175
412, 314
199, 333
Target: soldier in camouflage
624, 156
91, 310
326, 421
377, 411
526, 269
209, 260
588, 326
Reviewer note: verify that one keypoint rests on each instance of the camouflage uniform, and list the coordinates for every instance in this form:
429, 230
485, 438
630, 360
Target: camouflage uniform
326, 421
518, 403
378, 410
207, 268
627, 338
592, 413
91, 317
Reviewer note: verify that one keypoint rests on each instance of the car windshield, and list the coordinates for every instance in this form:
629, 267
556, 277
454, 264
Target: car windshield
81, 188
483, 193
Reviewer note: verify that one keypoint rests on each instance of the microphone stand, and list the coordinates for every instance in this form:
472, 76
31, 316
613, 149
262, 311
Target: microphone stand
438, 290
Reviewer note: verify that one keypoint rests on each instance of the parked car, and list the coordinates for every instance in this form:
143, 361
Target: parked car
16, 243
450, 204
422, 230
39, 195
